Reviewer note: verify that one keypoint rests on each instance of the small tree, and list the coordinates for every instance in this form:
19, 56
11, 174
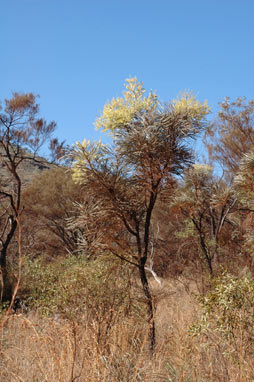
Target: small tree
232, 134
124, 181
244, 185
49, 201
206, 203
22, 134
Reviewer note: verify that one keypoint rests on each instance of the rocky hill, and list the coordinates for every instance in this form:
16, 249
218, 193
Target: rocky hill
27, 169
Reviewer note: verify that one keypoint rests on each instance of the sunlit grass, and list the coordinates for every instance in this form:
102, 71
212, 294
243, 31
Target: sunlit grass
36, 349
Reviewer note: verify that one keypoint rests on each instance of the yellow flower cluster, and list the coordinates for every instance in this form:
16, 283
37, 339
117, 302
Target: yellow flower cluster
202, 168
120, 111
85, 154
188, 104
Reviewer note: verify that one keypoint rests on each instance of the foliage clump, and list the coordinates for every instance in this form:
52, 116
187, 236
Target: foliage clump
121, 110
244, 186
228, 311
230, 136
49, 201
205, 202
74, 285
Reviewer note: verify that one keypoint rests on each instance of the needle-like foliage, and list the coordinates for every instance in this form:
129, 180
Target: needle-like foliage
124, 181
231, 135
206, 203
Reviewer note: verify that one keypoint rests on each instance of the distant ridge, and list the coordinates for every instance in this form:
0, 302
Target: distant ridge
27, 169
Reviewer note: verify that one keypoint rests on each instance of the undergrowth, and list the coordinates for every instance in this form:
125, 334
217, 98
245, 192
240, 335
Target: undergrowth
84, 321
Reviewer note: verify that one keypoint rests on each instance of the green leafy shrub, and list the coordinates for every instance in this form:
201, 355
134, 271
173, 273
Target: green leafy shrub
75, 286
228, 310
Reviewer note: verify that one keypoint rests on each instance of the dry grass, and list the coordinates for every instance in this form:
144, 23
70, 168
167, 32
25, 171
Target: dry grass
35, 349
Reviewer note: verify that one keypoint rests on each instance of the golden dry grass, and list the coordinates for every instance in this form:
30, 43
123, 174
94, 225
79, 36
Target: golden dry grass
36, 349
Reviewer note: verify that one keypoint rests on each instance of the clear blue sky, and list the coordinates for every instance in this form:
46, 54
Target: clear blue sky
77, 53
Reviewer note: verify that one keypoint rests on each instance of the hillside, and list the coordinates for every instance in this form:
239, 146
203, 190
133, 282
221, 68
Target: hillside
27, 169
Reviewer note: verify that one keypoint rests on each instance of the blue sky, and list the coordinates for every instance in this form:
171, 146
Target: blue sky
76, 54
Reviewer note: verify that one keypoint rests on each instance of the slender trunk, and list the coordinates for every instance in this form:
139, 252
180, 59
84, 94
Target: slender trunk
150, 310
142, 263
5, 292
7, 241
203, 245
207, 257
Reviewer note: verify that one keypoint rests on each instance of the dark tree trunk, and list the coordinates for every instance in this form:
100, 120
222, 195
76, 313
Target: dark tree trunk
5, 292
142, 263
7, 241
203, 245
207, 257
150, 310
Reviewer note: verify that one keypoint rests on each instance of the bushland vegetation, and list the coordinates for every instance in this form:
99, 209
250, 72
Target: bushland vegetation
130, 261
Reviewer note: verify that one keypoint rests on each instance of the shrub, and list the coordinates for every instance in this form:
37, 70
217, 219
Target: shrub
228, 311
75, 286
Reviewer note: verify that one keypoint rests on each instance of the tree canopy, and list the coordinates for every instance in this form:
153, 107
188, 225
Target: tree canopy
124, 181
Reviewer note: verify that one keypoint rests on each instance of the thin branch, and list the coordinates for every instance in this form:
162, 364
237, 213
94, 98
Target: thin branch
124, 258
